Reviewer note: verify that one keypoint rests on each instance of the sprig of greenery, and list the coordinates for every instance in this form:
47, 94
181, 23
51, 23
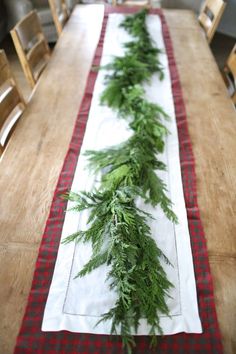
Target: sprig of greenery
117, 229
136, 67
133, 163
143, 48
122, 239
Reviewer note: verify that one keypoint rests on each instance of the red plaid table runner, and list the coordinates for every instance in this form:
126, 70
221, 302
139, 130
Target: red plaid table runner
31, 339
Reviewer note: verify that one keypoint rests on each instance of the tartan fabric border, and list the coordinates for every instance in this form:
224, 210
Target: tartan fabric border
30, 338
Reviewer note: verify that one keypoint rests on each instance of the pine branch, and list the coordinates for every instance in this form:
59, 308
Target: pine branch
117, 229
133, 257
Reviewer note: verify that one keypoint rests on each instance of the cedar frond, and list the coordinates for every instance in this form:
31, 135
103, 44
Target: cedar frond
118, 230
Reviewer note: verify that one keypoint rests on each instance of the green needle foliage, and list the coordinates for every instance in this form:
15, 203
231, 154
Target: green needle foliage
142, 48
133, 163
121, 238
136, 67
117, 229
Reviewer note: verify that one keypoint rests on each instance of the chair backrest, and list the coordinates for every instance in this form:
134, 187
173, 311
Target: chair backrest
210, 16
229, 73
11, 102
31, 46
60, 13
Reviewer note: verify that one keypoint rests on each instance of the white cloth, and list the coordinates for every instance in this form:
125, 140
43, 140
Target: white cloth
77, 304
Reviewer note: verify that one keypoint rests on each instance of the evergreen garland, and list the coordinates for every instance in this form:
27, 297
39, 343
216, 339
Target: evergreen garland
117, 229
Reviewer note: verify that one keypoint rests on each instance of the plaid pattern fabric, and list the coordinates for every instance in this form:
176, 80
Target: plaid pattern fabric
30, 338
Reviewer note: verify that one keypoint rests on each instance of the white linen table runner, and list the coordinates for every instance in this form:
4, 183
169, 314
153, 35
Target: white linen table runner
77, 304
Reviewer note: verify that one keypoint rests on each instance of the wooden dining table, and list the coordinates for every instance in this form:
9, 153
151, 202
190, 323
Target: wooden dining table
32, 162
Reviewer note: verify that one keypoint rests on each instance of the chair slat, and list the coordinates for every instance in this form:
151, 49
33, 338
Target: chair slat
37, 54
5, 73
10, 124
8, 101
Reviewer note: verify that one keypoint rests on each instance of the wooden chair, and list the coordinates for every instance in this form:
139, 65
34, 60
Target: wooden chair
12, 103
60, 14
31, 46
229, 74
210, 16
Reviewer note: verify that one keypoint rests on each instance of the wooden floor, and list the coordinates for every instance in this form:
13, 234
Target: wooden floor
221, 46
